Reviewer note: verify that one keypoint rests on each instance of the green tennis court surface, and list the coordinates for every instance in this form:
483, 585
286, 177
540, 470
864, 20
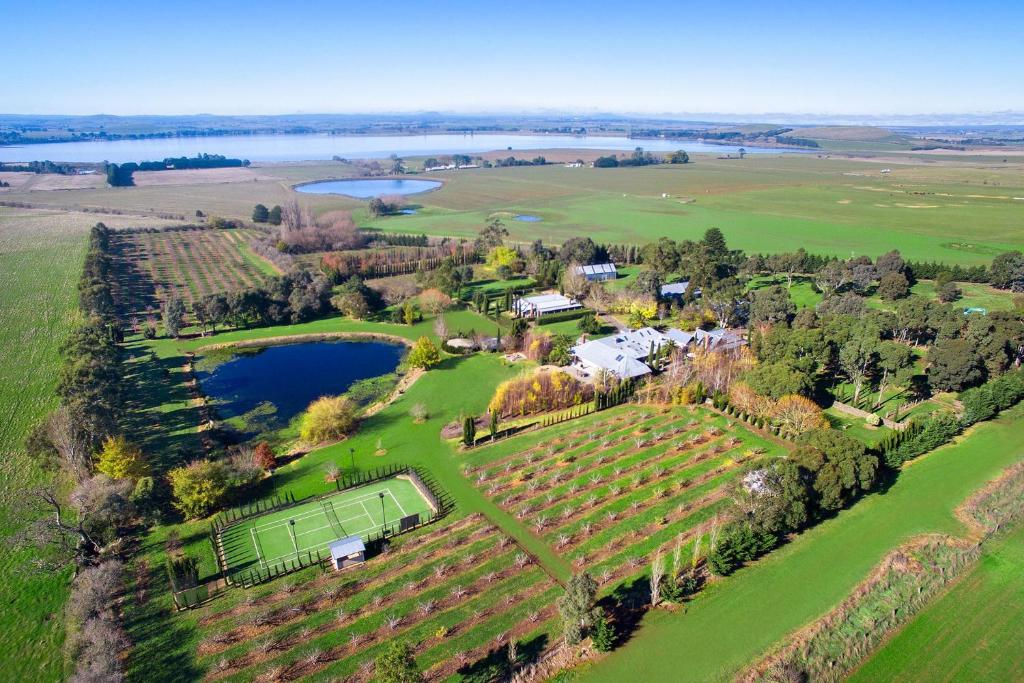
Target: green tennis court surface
282, 535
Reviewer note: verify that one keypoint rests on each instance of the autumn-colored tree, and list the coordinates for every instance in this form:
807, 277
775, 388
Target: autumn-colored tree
538, 393
434, 301
742, 397
424, 354
798, 415
199, 487
326, 419
263, 456
502, 256
119, 459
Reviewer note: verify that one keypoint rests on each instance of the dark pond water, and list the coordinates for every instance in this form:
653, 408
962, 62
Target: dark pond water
306, 147
279, 382
527, 218
365, 189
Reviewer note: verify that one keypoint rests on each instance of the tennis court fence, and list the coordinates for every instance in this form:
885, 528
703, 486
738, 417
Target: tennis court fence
440, 502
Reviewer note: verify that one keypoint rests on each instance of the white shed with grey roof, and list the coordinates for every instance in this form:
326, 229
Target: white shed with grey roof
348, 551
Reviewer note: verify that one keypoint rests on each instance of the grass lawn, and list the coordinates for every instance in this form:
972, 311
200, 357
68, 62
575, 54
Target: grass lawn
310, 527
737, 619
972, 633
975, 295
802, 293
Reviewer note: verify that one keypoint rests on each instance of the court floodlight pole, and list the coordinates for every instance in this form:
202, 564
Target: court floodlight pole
383, 516
291, 532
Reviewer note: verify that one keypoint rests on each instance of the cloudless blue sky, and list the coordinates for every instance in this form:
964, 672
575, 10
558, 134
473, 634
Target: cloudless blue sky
867, 57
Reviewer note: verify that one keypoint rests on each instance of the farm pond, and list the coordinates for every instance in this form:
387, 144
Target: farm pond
268, 386
367, 189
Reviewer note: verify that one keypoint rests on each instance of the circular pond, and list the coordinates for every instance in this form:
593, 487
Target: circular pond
369, 188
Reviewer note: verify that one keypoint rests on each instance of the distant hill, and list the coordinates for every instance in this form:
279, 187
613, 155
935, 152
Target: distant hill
850, 133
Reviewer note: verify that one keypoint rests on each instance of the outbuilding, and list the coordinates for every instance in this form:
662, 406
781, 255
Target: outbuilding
348, 551
543, 304
598, 272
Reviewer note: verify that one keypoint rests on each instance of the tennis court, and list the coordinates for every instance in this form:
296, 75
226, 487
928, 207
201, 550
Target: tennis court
283, 535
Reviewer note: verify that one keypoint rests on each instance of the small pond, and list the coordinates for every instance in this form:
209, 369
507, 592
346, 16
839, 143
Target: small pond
273, 384
528, 218
367, 189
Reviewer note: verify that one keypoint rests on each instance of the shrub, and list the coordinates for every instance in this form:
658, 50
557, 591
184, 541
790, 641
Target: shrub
872, 420
199, 487
327, 418
739, 543
604, 634
419, 413
424, 354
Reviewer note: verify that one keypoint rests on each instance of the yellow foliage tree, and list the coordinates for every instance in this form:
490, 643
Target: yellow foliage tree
424, 354
502, 256
797, 414
119, 459
326, 419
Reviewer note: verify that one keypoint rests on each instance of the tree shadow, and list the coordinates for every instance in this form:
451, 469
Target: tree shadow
497, 665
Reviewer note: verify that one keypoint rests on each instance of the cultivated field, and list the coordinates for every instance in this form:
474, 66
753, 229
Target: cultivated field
741, 617
457, 590
607, 490
189, 262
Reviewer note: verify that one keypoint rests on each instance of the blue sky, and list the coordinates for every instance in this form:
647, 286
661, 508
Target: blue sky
870, 57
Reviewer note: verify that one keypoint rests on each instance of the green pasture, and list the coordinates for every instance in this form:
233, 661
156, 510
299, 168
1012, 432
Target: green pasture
41, 256
310, 527
972, 633
735, 620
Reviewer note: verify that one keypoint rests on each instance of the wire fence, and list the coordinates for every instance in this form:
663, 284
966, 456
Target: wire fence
439, 500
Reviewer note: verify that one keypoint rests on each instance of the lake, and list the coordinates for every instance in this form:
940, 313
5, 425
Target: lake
365, 189
320, 147
281, 381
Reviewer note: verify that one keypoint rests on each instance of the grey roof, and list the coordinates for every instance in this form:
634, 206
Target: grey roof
598, 269
675, 289
344, 547
611, 359
636, 343
680, 337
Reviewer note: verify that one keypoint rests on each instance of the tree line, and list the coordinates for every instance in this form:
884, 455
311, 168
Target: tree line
120, 175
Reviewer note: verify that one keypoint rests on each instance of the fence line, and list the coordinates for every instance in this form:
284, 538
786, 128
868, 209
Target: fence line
435, 495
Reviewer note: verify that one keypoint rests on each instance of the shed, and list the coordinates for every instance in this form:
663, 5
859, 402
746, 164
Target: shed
348, 551
675, 290
598, 272
542, 304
